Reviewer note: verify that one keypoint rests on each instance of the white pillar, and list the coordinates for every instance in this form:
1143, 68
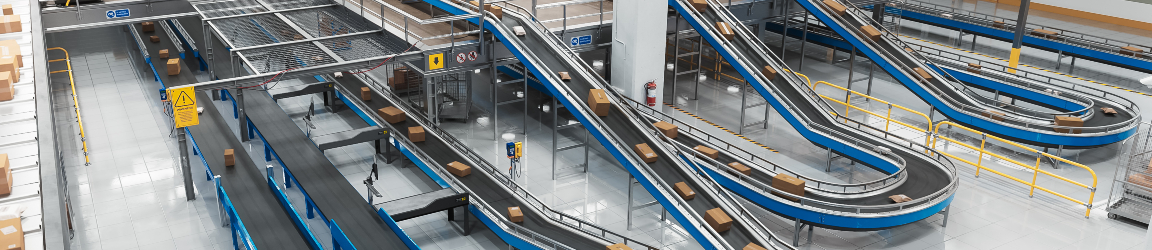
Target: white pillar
638, 43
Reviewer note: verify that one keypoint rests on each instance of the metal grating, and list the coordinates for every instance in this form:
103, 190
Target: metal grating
290, 56
330, 21
256, 30
228, 8
365, 46
281, 5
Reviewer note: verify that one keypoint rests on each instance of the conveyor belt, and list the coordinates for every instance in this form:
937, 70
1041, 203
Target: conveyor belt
483, 187
247, 187
196, 35
336, 198
664, 167
186, 76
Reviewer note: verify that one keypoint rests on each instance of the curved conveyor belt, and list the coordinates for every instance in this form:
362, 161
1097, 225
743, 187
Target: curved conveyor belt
247, 187
888, 52
930, 182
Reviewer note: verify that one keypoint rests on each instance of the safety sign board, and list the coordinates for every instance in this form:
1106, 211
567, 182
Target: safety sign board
120, 13
184, 106
472, 55
436, 61
460, 58
581, 40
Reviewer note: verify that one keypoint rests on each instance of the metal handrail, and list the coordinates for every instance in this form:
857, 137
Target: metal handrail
612, 139
1035, 168
975, 112
888, 118
1090, 41
495, 173
75, 101
865, 187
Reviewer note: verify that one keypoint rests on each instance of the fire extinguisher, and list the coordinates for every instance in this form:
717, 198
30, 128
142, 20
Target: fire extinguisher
651, 87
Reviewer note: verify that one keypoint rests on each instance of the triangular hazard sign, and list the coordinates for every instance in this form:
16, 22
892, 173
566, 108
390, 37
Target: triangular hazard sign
184, 100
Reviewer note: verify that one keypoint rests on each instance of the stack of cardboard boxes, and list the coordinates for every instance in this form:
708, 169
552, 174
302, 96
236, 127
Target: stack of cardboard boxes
10, 63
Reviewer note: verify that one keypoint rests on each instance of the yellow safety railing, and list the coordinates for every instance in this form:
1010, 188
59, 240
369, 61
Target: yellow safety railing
76, 107
1034, 167
888, 118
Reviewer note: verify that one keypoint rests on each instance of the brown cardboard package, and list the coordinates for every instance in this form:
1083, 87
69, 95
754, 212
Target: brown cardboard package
7, 9
391, 114
668, 129
564, 75
11, 234
725, 30
999, 24
5, 80
871, 32
598, 101
401, 73
1108, 111
700, 5
740, 168
900, 198
922, 73
154, 39
1068, 121
365, 94
416, 134
1044, 33
618, 246
163, 54
753, 246
768, 72
496, 10
7, 92
995, 115
1131, 51
709, 152
836, 7
11, 48
684, 190
5, 175
515, 215
788, 183
974, 68
173, 66
148, 26
11, 65
229, 157
645, 152
1140, 179
459, 169
11, 23
718, 219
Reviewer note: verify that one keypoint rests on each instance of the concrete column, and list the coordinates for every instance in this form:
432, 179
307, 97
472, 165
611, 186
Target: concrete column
638, 45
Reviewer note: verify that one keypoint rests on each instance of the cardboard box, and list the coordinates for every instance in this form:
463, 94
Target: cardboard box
5, 165
1068, 121
459, 169
974, 68
999, 24
768, 72
900, 198
6, 171
7, 93
669, 130
1140, 179
391, 114
836, 7
725, 30
11, 234
11, 65
909, 50
496, 11
684, 190
618, 246
7, 9
11, 23
365, 94
154, 39
788, 183
922, 73
416, 134
1108, 111
148, 26
11, 48
740, 168
753, 246
645, 152
1044, 33
700, 5
564, 76
718, 219
5, 80
229, 157
598, 101
871, 32
995, 115
709, 152
173, 67
400, 83
515, 215
163, 54
1131, 51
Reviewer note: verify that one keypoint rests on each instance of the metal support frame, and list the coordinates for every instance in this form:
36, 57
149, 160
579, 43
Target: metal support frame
556, 149
631, 203
796, 235
189, 189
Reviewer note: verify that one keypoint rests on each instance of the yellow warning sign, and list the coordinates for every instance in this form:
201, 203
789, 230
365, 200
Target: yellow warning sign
184, 106
436, 61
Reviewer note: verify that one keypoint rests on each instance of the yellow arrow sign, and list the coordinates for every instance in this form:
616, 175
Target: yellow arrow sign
436, 61
184, 106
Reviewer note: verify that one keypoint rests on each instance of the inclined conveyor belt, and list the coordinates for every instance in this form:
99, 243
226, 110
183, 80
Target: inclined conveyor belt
159, 65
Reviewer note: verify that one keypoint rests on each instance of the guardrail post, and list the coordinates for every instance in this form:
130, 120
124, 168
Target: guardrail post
980, 159
1035, 171
220, 197
189, 189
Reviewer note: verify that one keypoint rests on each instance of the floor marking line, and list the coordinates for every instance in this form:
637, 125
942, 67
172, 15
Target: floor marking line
723, 128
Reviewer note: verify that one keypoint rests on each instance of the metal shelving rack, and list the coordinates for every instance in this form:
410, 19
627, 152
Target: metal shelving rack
1131, 195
